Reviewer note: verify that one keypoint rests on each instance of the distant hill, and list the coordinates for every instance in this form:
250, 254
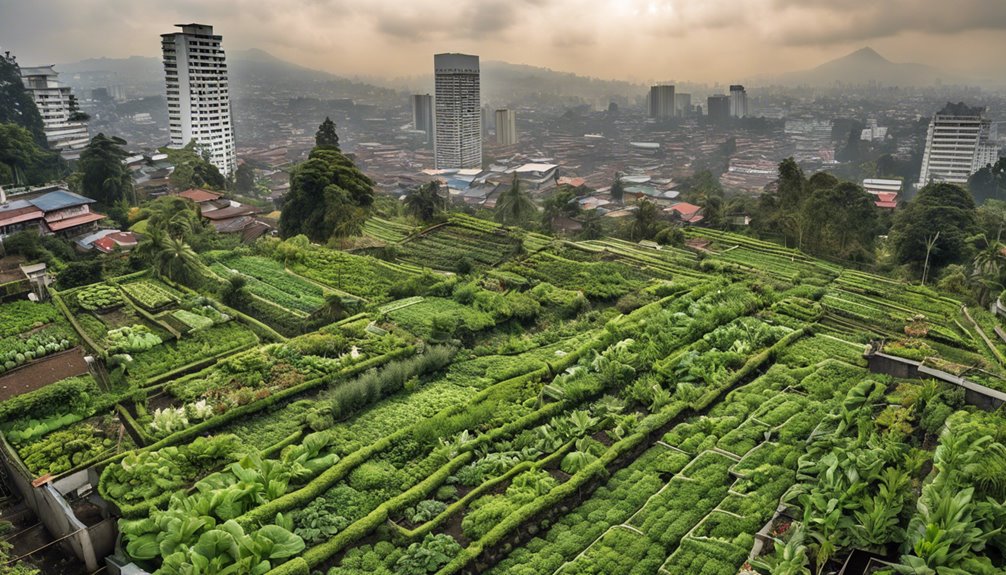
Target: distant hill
866, 66
252, 73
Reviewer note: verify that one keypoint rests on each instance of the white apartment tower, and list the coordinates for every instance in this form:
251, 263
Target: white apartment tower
199, 106
458, 140
506, 127
53, 100
661, 102
958, 143
422, 115
738, 101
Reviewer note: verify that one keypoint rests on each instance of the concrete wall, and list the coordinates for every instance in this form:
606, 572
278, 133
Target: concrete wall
974, 394
89, 544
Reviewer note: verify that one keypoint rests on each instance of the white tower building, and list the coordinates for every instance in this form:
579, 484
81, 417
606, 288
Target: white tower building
958, 143
738, 101
506, 127
458, 141
53, 100
199, 105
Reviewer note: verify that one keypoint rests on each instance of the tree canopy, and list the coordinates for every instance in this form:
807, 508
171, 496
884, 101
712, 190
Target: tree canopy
23, 161
326, 137
329, 197
103, 175
514, 206
989, 183
820, 214
425, 202
193, 170
16, 104
244, 179
939, 208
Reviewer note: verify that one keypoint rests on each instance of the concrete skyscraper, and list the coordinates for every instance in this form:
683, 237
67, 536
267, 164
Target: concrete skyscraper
458, 142
422, 115
682, 105
506, 127
56, 105
738, 101
718, 108
662, 102
958, 143
199, 105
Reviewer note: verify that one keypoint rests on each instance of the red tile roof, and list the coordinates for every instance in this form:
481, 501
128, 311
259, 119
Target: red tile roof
75, 221
685, 209
199, 196
18, 215
887, 205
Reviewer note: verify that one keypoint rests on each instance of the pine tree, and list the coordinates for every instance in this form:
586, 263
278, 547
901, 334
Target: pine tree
326, 137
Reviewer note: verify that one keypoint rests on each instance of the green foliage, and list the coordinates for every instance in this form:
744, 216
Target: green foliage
193, 169
941, 208
104, 175
329, 197
326, 136
16, 104
425, 202
23, 159
99, 296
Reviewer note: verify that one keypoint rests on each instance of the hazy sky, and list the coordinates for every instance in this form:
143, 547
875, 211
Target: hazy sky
640, 40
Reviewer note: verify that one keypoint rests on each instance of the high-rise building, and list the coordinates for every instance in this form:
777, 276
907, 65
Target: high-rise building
958, 143
682, 105
199, 105
458, 141
422, 115
63, 131
662, 102
738, 101
718, 107
506, 127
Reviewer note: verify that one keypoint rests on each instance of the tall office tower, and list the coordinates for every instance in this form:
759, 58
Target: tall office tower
199, 105
63, 130
506, 127
718, 107
682, 105
662, 102
422, 115
458, 142
738, 101
958, 143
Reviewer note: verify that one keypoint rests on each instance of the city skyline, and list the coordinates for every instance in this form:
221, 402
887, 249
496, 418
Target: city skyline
377, 39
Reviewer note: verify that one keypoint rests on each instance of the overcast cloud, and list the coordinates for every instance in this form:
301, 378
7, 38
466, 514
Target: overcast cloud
702, 40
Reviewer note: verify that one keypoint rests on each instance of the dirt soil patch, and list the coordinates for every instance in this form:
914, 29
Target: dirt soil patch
41, 373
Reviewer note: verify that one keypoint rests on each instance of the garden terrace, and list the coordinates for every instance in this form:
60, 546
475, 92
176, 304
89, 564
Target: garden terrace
386, 230
477, 243
573, 408
361, 277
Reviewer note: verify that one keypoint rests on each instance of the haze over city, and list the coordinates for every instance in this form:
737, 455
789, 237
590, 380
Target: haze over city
502, 287
636, 40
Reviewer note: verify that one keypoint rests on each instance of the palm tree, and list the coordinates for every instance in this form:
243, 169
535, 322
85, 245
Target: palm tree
425, 202
514, 206
987, 269
170, 257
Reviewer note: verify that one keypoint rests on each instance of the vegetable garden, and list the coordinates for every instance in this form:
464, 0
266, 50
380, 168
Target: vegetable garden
557, 408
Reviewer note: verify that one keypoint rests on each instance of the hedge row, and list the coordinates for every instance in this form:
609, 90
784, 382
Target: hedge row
254, 407
599, 468
421, 530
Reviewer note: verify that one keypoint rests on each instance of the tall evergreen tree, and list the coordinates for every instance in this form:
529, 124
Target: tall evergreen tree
104, 176
617, 189
245, 179
16, 104
329, 197
326, 137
